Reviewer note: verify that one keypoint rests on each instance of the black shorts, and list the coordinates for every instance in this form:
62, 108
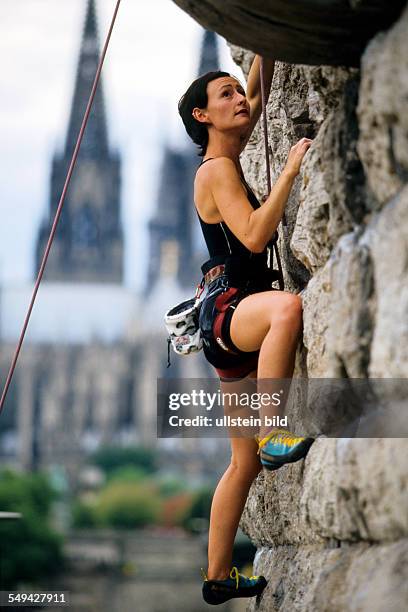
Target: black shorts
216, 312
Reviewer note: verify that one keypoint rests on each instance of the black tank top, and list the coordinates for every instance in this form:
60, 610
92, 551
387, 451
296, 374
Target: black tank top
218, 237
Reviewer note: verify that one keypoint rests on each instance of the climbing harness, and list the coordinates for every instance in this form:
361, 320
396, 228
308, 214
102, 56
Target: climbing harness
273, 243
60, 205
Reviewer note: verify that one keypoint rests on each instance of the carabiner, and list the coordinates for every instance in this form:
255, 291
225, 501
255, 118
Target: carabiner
200, 288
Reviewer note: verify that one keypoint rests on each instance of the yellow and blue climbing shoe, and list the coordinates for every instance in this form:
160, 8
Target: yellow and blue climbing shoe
236, 585
281, 446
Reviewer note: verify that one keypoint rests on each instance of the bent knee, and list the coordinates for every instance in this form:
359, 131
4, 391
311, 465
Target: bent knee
289, 311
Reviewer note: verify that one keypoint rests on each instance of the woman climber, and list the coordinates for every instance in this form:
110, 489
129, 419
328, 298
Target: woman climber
249, 330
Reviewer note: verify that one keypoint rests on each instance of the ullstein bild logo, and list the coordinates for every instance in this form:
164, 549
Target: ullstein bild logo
227, 421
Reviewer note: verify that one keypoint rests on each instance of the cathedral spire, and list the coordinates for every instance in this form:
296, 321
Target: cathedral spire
88, 63
90, 30
88, 246
209, 60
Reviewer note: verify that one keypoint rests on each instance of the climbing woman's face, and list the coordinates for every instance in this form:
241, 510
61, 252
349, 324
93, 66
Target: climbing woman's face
227, 106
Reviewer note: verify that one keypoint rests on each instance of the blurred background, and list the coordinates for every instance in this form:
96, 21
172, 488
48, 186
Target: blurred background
105, 509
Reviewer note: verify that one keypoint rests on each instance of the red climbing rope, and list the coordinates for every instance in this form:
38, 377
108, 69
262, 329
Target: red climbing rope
265, 125
60, 205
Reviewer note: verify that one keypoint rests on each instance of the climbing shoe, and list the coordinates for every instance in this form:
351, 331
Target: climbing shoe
236, 585
281, 446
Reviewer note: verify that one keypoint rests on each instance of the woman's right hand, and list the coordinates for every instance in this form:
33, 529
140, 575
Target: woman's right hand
296, 155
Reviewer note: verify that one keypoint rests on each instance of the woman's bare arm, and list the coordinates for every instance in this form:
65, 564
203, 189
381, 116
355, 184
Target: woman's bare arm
254, 228
253, 92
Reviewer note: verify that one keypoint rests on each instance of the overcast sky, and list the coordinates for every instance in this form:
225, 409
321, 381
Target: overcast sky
152, 58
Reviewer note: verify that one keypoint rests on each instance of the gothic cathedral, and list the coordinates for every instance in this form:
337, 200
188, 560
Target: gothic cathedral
88, 244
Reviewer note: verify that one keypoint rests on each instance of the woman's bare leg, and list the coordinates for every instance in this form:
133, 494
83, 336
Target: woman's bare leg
277, 313
228, 503
270, 321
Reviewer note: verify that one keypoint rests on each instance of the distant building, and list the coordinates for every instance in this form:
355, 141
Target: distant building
82, 296
75, 385
93, 351
88, 246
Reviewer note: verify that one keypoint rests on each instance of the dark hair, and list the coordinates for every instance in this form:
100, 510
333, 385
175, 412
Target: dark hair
196, 95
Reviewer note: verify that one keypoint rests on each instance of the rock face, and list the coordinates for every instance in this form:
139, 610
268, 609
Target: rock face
348, 210
332, 531
301, 31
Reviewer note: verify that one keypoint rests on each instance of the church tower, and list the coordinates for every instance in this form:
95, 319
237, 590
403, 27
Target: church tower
174, 227
88, 244
209, 53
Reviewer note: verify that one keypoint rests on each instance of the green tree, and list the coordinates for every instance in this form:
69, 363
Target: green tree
170, 485
198, 516
110, 458
30, 550
127, 473
127, 505
83, 515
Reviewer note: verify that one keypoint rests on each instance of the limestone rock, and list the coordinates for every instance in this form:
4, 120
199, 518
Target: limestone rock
317, 299
353, 306
389, 349
361, 578
348, 495
312, 32
332, 196
299, 100
310, 241
341, 491
382, 112
271, 518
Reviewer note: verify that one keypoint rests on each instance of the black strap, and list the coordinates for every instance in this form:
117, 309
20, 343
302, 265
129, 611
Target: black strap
205, 160
278, 261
